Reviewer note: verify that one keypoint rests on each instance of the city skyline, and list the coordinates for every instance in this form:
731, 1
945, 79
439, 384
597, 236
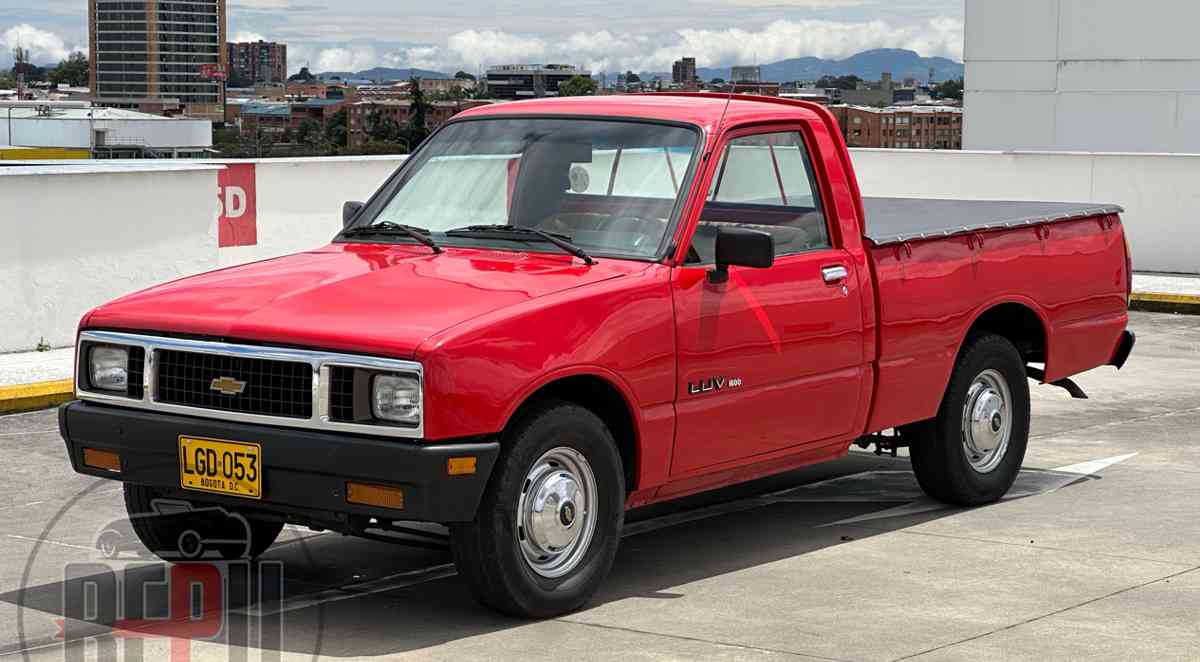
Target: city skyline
644, 36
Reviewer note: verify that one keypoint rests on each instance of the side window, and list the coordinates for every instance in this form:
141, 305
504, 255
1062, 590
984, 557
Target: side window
764, 182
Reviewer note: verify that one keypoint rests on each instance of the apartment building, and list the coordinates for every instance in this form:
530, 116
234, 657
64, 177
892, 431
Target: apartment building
159, 50
257, 61
683, 71
901, 127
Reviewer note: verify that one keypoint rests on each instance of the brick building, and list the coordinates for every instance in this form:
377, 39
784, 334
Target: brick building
399, 111
257, 61
276, 117
901, 127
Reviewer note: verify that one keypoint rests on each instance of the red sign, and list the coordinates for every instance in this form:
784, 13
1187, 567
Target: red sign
237, 213
212, 71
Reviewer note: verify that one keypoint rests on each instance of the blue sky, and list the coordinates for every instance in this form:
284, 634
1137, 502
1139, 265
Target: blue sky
644, 35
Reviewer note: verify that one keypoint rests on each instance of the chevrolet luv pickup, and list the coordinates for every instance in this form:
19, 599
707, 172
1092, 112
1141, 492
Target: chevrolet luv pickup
557, 310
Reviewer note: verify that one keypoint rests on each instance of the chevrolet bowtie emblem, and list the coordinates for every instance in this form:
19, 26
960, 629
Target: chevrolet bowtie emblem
227, 386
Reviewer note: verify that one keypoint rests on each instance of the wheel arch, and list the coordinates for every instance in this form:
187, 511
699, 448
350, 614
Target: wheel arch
603, 395
1020, 321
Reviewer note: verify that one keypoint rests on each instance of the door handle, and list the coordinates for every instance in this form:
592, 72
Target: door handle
835, 274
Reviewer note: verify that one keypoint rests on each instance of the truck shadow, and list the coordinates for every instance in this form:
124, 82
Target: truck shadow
347, 597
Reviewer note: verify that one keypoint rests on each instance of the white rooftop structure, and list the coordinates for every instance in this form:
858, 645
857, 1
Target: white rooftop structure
81, 126
1083, 75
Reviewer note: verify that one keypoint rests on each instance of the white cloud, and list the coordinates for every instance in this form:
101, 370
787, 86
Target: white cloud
473, 47
353, 58
44, 47
611, 51
243, 36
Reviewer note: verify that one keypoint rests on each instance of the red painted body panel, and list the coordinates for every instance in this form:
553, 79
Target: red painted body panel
931, 292
819, 366
362, 298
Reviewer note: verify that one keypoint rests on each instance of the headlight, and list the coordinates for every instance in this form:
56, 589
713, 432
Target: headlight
397, 398
109, 368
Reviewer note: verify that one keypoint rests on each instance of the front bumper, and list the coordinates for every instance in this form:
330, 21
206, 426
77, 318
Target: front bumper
304, 472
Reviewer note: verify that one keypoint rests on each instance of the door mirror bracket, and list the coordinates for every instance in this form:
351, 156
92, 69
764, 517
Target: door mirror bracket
349, 211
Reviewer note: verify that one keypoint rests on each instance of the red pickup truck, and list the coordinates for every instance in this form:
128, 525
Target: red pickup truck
557, 310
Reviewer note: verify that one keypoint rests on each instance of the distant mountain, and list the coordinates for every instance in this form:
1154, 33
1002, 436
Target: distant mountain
382, 74
868, 65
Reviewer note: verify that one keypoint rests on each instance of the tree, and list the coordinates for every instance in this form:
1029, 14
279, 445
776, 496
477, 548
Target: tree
631, 78
951, 89
72, 71
418, 127
577, 86
462, 75
309, 131
336, 133
304, 76
382, 128
717, 81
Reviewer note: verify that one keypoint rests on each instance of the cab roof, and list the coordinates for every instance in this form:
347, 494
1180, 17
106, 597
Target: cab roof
703, 110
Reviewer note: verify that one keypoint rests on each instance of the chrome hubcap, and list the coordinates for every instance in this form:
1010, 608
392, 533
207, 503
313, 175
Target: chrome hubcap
556, 513
987, 421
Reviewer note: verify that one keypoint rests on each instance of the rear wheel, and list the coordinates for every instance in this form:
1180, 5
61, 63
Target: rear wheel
972, 452
172, 537
546, 532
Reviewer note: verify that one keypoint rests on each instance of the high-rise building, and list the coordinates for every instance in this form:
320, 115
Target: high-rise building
159, 50
257, 62
523, 81
684, 71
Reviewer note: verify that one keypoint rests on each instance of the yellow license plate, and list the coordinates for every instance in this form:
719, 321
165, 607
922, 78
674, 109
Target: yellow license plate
224, 467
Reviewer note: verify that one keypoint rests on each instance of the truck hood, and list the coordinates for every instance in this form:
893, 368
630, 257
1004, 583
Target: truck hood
363, 298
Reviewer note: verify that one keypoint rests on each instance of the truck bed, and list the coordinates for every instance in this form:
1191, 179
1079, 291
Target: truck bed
894, 220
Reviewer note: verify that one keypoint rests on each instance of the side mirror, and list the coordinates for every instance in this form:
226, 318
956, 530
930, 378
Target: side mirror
349, 211
744, 248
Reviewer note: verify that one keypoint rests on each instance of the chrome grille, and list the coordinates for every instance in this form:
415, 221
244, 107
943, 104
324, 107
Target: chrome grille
270, 388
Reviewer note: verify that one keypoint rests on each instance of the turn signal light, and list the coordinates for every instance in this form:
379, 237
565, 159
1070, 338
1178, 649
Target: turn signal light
375, 495
106, 460
460, 466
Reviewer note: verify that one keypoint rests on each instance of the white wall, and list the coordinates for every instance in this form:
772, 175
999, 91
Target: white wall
81, 234
1158, 191
77, 133
77, 237
300, 200
1082, 75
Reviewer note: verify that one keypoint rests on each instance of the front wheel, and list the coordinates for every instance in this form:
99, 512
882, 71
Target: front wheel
546, 532
180, 534
972, 452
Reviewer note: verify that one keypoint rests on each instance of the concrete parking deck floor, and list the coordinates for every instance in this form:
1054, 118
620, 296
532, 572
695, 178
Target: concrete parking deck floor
1095, 555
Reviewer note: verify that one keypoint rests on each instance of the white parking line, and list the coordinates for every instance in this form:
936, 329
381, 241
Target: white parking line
48, 542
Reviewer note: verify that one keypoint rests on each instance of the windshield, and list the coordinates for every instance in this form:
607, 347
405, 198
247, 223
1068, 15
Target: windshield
609, 187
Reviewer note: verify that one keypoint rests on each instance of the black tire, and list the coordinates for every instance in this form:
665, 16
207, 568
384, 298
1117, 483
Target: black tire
163, 537
487, 550
939, 458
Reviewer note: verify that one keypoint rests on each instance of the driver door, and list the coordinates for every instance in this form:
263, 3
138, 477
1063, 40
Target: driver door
772, 359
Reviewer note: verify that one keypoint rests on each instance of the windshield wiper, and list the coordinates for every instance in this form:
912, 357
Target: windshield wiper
521, 233
388, 228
